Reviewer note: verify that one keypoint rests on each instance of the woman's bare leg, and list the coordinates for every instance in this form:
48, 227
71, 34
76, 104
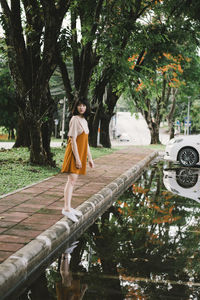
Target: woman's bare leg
68, 190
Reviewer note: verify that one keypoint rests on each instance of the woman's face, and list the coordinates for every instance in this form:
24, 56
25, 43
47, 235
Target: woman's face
81, 108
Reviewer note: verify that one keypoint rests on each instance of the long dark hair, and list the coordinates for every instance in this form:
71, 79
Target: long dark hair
81, 100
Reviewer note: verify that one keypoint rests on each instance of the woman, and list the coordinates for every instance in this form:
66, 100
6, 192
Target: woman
76, 155
70, 288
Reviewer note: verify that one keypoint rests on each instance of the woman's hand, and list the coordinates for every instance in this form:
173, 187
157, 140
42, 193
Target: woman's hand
91, 163
78, 164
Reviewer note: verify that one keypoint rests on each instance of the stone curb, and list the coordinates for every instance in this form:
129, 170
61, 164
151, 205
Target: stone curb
15, 270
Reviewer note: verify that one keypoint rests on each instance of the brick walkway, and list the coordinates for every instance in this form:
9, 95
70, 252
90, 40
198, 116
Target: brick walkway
27, 213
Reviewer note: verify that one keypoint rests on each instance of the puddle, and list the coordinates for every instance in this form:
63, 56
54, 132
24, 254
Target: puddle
146, 246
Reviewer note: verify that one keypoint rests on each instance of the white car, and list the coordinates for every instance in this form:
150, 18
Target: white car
124, 137
184, 149
184, 182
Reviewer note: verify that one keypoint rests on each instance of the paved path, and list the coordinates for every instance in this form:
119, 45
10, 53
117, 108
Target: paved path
27, 213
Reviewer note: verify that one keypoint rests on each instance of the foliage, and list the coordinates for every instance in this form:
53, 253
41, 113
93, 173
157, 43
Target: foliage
190, 92
194, 114
160, 65
8, 106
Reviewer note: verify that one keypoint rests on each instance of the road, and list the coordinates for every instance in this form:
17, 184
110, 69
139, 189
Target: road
135, 127
8, 145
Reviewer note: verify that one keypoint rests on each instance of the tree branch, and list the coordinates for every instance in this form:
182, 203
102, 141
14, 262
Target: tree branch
6, 8
15, 40
75, 52
96, 17
62, 7
66, 80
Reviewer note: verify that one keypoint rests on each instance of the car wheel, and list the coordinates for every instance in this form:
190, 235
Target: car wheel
188, 157
186, 178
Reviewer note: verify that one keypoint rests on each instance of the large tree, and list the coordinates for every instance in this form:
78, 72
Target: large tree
189, 93
157, 64
160, 28
124, 23
79, 42
155, 91
31, 32
96, 37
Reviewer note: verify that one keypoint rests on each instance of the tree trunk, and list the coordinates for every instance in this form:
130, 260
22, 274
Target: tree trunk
93, 136
40, 122
93, 127
46, 131
104, 131
171, 128
40, 154
23, 136
170, 116
11, 134
154, 131
37, 154
107, 112
153, 124
47, 127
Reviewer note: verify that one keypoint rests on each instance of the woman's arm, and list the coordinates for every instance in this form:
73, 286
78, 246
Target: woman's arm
90, 160
75, 152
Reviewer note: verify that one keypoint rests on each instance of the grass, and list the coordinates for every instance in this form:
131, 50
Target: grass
6, 140
158, 147
16, 171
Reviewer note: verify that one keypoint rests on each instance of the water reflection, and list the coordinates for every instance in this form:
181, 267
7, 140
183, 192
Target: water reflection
146, 246
184, 182
70, 286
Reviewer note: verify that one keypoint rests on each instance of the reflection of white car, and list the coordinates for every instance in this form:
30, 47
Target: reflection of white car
185, 149
183, 182
124, 137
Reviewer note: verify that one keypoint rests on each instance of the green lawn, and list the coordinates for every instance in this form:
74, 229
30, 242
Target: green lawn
155, 147
16, 171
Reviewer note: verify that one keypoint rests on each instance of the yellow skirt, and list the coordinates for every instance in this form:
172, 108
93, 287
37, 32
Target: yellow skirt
69, 163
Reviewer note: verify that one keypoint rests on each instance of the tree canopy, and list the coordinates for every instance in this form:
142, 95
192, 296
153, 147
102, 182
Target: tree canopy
91, 42
31, 31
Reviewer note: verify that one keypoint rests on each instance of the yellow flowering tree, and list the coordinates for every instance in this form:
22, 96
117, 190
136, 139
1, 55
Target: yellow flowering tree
154, 89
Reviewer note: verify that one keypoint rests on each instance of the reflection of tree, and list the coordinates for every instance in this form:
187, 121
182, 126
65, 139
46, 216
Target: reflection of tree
104, 235
165, 246
148, 236
70, 287
145, 246
38, 290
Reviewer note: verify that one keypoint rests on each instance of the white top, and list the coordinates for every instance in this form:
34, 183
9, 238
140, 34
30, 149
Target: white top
77, 125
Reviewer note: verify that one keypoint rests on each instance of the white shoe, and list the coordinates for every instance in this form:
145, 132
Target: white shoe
76, 212
72, 247
70, 215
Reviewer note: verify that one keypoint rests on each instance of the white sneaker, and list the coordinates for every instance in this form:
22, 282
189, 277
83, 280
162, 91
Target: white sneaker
76, 212
70, 215
72, 247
